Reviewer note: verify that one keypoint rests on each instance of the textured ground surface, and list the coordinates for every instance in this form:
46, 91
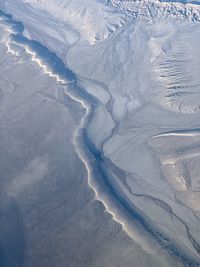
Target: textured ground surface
100, 133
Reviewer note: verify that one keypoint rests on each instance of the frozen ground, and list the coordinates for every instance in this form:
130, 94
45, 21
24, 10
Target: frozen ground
133, 66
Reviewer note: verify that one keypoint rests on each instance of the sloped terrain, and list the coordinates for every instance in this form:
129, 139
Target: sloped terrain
93, 19
133, 67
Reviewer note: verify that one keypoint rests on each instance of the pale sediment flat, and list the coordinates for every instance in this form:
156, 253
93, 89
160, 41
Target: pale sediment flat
48, 213
48, 216
103, 122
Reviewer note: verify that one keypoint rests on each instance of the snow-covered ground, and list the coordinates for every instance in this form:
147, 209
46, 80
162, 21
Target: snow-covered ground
133, 66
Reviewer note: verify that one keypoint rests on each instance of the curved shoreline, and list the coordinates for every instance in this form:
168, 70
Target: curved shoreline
115, 202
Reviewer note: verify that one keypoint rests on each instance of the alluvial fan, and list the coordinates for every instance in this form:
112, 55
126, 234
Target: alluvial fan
100, 133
